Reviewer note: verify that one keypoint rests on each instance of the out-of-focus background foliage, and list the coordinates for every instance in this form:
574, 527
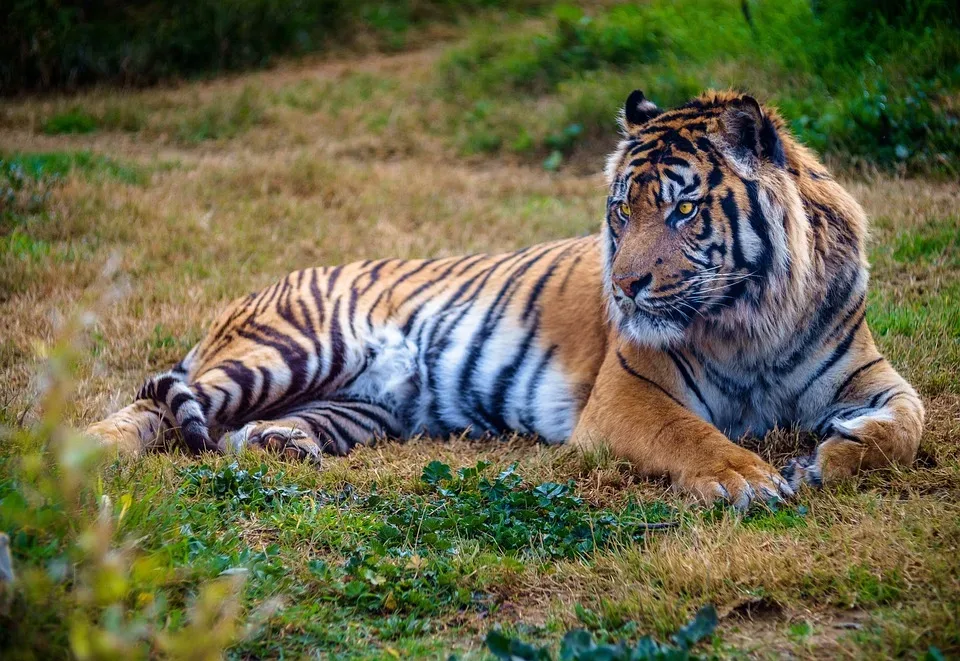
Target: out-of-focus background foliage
160, 158
874, 82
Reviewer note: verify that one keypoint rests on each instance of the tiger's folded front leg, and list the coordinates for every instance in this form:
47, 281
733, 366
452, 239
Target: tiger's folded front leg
310, 430
635, 409
875, 420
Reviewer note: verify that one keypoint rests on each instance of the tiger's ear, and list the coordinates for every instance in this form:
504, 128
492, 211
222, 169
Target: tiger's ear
637, 110
750, 133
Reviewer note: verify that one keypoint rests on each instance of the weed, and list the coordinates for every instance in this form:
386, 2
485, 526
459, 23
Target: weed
800, 631
578, 645
223, 119
25, 186
22, 246
75, 120
239, 487
18, 171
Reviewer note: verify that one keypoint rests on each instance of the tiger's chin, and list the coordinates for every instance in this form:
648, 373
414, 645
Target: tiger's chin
650, 330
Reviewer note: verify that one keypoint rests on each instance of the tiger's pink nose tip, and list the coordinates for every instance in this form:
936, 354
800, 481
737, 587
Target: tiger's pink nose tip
631, 284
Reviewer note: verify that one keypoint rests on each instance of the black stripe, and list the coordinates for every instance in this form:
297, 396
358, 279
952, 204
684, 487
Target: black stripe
332, 278
162, 387
244, 378
541, 282
854, 374
478, 342
373, 412
179, 400
838, 353
266, 380
673, 176
688, 379
504, 381
361, 420
637, 375
732, 211
337, 350
350, 440
759, 225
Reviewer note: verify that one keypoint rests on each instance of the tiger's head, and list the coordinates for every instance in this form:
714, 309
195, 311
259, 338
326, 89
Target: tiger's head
705, 221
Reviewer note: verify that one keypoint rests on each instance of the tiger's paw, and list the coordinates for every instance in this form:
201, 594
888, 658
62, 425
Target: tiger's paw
802, 470
835, 459
288, 442
738, 477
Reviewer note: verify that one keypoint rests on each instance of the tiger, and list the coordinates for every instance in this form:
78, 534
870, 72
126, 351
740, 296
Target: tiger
723, 296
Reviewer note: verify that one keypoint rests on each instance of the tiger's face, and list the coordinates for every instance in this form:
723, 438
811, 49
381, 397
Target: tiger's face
688, 224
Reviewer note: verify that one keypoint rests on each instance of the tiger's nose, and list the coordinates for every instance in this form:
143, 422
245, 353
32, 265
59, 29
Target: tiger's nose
632, 284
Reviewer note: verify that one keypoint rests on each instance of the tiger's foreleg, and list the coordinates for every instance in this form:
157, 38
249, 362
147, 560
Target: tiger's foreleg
876, 420
632, 411
307, 431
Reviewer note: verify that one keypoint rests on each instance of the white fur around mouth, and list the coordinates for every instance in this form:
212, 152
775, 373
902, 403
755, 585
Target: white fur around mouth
650, 330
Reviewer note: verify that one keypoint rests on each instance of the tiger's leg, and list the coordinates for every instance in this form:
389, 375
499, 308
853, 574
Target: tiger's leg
875, 420
307, 431
641, 421
132, 430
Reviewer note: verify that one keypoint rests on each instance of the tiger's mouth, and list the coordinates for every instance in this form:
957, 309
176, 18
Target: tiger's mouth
673, 309
653, 322
652, 326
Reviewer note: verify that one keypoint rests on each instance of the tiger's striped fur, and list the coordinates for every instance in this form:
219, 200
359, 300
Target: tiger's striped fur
664, 336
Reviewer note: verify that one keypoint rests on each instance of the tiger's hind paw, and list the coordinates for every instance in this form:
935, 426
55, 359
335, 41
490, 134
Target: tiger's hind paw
288, 442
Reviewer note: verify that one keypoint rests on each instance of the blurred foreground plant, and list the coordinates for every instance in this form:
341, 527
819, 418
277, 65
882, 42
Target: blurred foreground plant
72, 586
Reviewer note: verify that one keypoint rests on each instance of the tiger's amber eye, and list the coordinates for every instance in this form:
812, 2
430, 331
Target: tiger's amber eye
685, 208
625, 208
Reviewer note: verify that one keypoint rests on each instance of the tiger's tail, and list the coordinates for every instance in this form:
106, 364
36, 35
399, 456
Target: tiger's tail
170, 389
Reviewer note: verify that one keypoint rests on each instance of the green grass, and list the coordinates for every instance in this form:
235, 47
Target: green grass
75, 120
29, 236
392, 559
19, 245
106, 43
578, 645
866, 85
18, 169
223, 119
937, 242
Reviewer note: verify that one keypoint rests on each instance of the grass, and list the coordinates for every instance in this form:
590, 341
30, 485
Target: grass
102, 43
385, 553
865, 84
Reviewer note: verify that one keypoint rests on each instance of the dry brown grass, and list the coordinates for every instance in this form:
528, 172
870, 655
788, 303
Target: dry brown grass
349, 160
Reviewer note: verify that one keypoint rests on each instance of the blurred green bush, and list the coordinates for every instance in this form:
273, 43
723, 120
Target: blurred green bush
48, 44
874, 82
71, 584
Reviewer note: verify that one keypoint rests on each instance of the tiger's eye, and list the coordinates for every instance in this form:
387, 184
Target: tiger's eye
685, 208
625, 208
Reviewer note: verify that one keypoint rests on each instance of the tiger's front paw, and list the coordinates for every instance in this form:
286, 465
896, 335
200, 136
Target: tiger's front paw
836, 458
737, 476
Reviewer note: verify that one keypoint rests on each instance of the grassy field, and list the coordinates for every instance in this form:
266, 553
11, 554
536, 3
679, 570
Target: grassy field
154, 208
